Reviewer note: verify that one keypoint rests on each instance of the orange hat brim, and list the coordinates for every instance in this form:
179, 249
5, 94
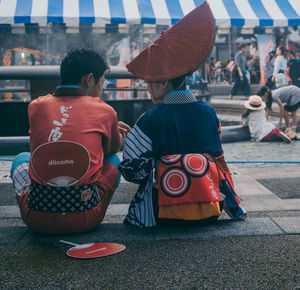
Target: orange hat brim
179, 50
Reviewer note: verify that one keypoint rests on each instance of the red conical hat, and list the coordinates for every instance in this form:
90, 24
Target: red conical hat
179, 50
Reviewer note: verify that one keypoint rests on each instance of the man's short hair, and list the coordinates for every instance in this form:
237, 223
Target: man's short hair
80, 62
242, 45
272, 53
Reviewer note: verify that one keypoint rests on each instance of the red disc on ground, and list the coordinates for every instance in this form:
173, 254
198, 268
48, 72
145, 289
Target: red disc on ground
95, 250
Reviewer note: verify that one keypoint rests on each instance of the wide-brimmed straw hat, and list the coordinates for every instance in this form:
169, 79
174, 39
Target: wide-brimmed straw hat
179, 50
255, 103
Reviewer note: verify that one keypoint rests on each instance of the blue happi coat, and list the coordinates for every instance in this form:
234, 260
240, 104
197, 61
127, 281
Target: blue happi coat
179, 125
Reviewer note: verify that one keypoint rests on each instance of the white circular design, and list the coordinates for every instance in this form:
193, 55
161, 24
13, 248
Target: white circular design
195, 164
170, 158
171, 189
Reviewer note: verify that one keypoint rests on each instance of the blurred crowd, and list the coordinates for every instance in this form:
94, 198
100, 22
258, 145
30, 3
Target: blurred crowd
287, 60
214, 71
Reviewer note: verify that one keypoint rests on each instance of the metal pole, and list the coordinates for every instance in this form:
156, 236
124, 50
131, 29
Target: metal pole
141, 37
47, 44
229, 40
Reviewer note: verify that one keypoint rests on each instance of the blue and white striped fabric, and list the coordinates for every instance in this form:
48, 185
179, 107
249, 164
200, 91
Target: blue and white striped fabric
137, 167
250, 13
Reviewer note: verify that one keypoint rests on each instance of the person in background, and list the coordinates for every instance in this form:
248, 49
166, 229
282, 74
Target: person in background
253, 50
270, 69
174, 150
218, 71
255, 118
290, 96
294, 69
72, 116
241, 80
212, 62
280, 63
194, 81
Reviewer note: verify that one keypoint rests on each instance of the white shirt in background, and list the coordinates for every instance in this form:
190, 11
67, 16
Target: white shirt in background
258, 125
280, 63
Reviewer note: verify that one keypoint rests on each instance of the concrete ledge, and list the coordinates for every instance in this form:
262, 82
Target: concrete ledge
224, 89
16, 145
122, 232
13, 211
291, 225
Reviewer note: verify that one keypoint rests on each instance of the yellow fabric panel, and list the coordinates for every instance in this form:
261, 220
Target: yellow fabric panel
190, 211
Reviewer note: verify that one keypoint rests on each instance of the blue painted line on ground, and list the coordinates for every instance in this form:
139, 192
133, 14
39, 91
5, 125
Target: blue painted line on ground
263, 161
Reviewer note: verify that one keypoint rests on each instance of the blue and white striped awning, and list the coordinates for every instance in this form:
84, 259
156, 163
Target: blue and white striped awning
252, 13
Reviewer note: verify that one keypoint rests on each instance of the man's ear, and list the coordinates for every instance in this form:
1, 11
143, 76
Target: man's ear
86, 80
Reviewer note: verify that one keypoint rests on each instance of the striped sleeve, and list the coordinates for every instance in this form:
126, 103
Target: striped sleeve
137, 161
141, 212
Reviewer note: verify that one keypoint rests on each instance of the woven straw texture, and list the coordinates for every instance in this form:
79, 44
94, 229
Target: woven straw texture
179, 50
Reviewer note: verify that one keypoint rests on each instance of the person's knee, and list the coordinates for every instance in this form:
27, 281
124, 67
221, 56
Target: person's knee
21, 158
115, 160
112, 158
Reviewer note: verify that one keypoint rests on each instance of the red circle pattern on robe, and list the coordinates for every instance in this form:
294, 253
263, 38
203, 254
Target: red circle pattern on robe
189, 178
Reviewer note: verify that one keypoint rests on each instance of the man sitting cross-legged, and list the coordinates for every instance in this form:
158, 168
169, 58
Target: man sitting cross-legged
67, 181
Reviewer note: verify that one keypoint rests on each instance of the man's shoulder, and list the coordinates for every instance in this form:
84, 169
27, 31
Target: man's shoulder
165, 111
153, 111
206, 107
238, 54
108, 108
98, 106
92, 103
41, 99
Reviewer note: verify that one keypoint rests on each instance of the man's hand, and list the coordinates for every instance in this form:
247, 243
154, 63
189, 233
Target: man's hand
124, 129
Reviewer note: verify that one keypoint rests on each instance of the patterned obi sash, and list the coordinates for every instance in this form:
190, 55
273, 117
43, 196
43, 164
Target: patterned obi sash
187, 178
68, 199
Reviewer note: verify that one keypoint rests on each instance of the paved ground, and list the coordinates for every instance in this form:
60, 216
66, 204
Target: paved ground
232, 263
261, 253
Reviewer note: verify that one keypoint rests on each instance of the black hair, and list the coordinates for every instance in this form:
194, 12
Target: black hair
80, 62
242, 45
179, 83
246, 113
282, 50
262, 92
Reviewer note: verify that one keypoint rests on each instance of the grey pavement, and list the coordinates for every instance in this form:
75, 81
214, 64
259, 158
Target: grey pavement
262, 252
267, 262
268, 213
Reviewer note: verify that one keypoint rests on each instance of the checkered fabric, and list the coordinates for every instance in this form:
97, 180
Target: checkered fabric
71, 91
69, 199
179, 97
21, 180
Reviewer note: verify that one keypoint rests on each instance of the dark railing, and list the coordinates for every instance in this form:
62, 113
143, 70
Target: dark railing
14, 90
51, 72
44, 79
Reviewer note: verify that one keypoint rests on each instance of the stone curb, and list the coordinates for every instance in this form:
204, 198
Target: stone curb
22, 235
